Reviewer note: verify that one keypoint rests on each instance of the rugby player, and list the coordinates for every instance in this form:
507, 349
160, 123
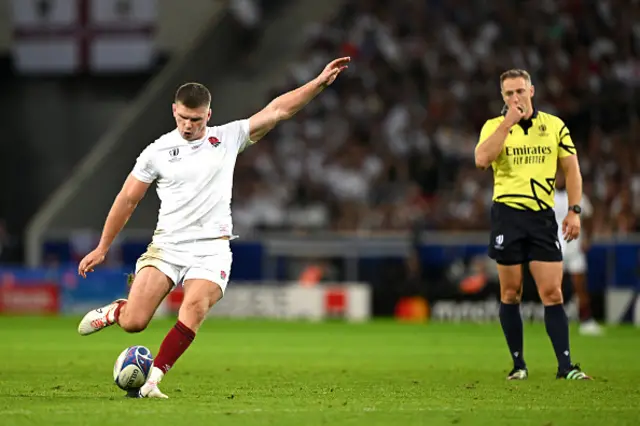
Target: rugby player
524, 147
193, 169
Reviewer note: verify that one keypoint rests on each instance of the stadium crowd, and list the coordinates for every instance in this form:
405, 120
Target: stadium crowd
393, 141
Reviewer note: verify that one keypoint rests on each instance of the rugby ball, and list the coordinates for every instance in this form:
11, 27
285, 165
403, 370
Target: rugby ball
132, 367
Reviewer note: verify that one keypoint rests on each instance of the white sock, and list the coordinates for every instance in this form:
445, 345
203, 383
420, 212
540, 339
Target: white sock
155, 376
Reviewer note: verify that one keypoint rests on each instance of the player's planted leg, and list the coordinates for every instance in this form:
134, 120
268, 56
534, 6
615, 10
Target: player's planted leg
548, 278
172, 347
511, 319
199, 296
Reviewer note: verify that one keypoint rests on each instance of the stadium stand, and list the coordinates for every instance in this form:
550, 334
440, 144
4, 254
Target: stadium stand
394, 140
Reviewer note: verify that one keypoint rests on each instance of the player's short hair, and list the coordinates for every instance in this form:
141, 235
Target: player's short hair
515, 73
193, 95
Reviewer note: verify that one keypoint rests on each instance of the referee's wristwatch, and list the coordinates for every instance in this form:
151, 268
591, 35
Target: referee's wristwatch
576, 209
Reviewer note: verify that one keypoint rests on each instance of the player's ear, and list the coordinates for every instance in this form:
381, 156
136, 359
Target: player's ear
173, 108
533, 90
209, 115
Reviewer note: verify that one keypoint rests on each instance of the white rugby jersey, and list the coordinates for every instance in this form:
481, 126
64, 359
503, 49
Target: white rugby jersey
194, 181
562, 208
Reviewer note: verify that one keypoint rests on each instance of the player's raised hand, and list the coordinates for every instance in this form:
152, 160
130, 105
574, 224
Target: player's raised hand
90, 261
515, 113
571, 227
332, 70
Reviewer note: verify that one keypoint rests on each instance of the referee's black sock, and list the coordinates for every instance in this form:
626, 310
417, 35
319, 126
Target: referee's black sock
511, 322
557, 325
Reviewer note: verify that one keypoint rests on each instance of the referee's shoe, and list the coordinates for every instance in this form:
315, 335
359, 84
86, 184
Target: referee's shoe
518, 374
572, 373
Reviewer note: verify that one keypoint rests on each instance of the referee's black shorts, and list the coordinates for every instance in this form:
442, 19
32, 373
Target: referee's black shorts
520, 236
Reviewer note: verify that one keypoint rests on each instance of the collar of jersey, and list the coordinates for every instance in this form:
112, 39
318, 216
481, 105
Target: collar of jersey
196, 142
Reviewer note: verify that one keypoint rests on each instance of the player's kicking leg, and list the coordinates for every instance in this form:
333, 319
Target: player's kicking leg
149, 288
510, 277
548, 278
100, 318
199, 296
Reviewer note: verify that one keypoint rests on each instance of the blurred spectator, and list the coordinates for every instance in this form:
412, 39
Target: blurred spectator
392, 141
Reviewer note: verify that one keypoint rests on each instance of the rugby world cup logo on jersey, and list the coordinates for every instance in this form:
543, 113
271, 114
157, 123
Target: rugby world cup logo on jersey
173, 154
499, 242
543, 130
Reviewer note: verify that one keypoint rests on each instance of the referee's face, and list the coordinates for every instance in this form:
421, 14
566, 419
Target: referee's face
518, 92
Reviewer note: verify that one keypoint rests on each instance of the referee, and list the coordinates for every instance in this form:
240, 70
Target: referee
524, 146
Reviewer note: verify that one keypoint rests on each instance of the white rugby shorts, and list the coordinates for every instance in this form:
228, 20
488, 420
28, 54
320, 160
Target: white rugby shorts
201, 259
575, 261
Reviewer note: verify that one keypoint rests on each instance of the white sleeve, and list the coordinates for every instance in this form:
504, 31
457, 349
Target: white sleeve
144, 170
238, 133
587, 207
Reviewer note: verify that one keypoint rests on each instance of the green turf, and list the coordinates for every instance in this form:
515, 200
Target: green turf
270, 373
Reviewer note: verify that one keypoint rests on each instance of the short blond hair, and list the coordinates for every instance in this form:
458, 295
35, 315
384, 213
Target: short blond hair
515, 73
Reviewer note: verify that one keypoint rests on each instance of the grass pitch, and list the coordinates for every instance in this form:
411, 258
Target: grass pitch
271, 373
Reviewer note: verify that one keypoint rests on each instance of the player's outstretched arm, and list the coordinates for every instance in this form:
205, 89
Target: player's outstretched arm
125, 203
287, 105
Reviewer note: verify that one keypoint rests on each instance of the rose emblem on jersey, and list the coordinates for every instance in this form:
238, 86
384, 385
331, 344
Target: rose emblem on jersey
214, 141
